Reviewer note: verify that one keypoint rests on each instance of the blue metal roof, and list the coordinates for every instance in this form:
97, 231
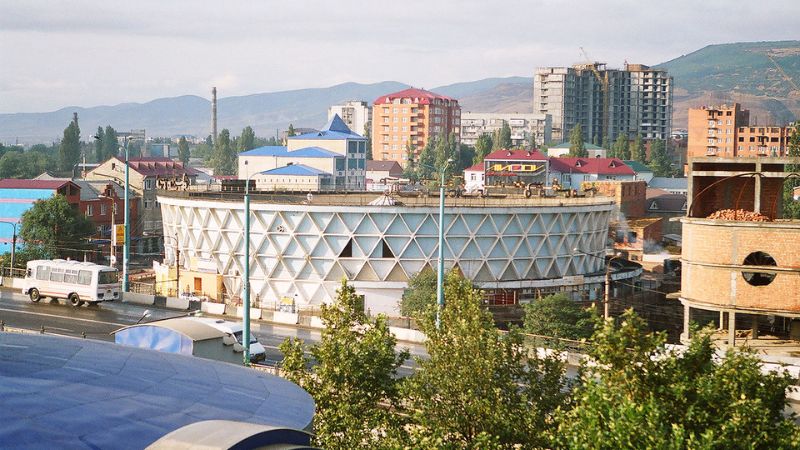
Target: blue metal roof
295, 169
58, 392
335, 129
279, 150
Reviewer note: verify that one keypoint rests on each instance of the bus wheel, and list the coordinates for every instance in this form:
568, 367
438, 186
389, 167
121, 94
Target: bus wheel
74, 300
34, 293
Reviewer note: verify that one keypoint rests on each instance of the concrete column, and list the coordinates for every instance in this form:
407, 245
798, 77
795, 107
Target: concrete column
731, 329
757, 194
687, 311
722, 324
754, 327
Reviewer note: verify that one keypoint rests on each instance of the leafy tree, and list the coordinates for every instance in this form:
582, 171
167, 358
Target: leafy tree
621, 147
606, 143
544, 148
28, 252
99, 151
420, 295
16, 164
248, 139
558, 316
576, 144
291, 131
636, 393
660, 162
427, 158
183, 150
446, 149
483, 146
209, 141
56, 226
110, 143
69, 151
203, 151
355, 375
505, 136
466, 155
791, 208
638, 152
479, 388
223, 159
368, 135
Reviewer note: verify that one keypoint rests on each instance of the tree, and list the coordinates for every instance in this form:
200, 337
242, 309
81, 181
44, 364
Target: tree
427, 158
660, 162
479, 388
69, 151
558, 316
291, 131
99, 139
635, 393
505, 136
223, 159
110, 143
621, 147
483, 146
183, 150
56, 226
445, 149
791, 207
420, 295
637, 151
354, 382
247, 141
606, 143
368, 135
576, 145
466, 156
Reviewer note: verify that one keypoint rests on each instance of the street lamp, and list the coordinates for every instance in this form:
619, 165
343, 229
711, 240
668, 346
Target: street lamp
440, 271
246, 299
607, 293
126, 246
13, 244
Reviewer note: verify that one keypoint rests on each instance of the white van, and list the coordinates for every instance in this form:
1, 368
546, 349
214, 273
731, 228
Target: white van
78, 282
233, 336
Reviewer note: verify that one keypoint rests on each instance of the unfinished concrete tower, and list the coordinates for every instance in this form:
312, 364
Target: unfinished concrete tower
214, 116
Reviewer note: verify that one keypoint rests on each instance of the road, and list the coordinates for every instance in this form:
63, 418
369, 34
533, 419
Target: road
97, 322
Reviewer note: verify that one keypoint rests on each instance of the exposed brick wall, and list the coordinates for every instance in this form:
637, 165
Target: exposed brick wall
628, 195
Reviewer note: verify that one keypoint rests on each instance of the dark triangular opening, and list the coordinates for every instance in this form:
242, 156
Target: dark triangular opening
347, 251
386, 251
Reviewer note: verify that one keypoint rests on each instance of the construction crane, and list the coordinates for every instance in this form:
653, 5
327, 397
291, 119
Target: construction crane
603, 80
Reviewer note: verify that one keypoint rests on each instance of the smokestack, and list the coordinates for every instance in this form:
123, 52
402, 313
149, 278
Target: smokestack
214, 116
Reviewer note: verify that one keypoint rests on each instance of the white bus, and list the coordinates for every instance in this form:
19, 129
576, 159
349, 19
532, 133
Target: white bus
78, 282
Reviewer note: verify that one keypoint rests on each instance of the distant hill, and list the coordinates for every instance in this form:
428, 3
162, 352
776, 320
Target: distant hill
762, 76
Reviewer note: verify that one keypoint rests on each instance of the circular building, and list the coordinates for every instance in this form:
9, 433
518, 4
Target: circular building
302, 247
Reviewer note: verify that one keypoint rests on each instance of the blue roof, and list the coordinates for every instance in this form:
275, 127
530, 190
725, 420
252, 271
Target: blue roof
280, 150
295, 169
335, 129
58, 392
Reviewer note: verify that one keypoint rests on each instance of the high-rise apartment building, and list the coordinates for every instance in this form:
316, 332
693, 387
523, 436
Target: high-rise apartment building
411, 118
525, 128
605, 102
726, 131
355, 114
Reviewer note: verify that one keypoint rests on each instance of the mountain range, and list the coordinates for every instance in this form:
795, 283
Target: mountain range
763, 76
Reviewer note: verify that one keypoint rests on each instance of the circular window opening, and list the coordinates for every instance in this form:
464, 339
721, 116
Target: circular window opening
759, 278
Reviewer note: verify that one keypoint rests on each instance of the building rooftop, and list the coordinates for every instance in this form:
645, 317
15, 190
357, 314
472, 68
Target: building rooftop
669, 183
296, 170
13, 183
637, 166
157, 166
475, 168
664, 201
517, 155
599, 166
334, 129
586, 145
417, 96
384, 166
194, 330
280, 150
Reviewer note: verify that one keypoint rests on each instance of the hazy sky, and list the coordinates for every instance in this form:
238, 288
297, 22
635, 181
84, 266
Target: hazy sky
102, 52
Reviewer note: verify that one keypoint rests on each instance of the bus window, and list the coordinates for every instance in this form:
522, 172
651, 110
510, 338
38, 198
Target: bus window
71, 277
42, 273
57, 276
85, 277
108, 277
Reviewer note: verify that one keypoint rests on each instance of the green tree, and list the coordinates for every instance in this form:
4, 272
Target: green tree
636, 394
99, 151
606, 143
446, 149
483, 146
247, 141
576, 144
183, 150
354, 382
638, 152
791, 207
660, 162
420, 295
291, 131
558, 316
69, 151
55, 225
223, 159
505, 136
466, 156
621, 147
479, 388
427, 159
110, 143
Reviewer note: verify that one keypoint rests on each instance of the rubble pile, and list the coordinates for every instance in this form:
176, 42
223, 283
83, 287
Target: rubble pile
739, 215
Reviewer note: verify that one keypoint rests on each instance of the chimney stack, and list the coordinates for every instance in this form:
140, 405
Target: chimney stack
214, 116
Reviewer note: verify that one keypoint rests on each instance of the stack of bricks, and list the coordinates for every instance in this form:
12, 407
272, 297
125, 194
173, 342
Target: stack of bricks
740, 215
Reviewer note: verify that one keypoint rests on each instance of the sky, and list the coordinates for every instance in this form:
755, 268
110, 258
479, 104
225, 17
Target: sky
56, 53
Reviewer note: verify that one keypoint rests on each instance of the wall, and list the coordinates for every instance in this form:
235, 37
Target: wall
628, 195
334, 145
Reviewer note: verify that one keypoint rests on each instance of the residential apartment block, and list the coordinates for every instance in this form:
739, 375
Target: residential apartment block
606, 102
411, 118
524, 127
355, 114
726, 131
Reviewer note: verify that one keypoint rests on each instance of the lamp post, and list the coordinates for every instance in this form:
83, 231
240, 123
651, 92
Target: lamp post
13, 244
607, 293
246, 287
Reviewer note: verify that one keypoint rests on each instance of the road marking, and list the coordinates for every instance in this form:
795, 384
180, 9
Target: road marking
62, 317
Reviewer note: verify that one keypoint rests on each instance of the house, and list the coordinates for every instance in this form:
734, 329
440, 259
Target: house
294, 177
672, 185
561, 150
380, 173
643, 172
572, 172
474, 178
660, 203
505, 167
18, 196
637, 236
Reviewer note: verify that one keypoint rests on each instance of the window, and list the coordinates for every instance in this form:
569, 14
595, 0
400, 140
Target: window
71, 277
361, 163
85, 277
148, 184
57, 276
405, 119
43, 273
340, 162
148, 204
352, 147
351, 163
386, 110
103, 209
89, 210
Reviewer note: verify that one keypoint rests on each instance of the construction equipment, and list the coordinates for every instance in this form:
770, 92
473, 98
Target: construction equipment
604, 83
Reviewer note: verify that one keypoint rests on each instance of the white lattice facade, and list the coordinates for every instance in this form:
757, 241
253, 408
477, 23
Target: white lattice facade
304, 251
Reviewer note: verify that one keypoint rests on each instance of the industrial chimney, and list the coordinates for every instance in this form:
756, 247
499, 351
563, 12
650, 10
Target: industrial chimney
214, 116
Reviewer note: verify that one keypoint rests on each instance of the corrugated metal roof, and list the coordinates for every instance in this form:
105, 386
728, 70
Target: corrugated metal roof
669, 183
599, 166
384, 166
334, 129
280, 150
516, 155
295, 169
421, 96
637, 166
12, 183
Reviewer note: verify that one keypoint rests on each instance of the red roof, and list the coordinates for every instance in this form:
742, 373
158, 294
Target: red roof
515, 155
418, 96
11, 183
160, 166
600, 166
476, 168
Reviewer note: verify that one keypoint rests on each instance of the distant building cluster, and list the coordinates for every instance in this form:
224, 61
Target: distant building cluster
526, 129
